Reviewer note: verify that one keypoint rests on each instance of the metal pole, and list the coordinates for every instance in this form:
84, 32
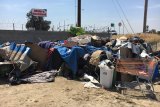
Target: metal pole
53, 27
94, 28
59, 27
22, 26
13, 27
123, 28
108, 30
64, 25
79, 14
145, 16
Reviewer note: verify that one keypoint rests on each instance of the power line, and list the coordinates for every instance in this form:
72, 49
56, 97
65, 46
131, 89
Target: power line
125, 16
120, 16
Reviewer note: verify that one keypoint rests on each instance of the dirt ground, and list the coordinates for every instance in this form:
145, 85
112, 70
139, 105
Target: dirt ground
67, 93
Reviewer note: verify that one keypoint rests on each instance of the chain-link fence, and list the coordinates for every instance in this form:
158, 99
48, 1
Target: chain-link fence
22, 26
12, 26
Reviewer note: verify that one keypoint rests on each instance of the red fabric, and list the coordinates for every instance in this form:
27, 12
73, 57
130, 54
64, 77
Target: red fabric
50, 51
65, 41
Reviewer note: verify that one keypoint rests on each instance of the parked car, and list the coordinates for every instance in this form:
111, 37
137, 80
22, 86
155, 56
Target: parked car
113, 32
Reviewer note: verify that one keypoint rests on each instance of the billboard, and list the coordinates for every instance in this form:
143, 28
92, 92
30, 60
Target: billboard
39, 12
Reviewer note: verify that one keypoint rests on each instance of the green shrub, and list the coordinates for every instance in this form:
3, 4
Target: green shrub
75, 31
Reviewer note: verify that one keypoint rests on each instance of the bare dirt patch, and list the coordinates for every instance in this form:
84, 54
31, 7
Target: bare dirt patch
67, 93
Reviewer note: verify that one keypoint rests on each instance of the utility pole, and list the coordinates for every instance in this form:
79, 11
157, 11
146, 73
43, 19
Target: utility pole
145, 16
79, 14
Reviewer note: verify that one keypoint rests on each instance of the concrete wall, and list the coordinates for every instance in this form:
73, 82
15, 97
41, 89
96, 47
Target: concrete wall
35, 36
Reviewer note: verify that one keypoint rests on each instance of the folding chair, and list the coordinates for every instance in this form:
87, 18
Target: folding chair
141, 68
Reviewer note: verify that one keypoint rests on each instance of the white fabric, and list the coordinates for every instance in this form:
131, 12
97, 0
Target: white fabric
91, 83
144, 54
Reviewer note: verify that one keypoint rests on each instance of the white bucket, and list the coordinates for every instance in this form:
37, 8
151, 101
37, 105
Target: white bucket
106, 75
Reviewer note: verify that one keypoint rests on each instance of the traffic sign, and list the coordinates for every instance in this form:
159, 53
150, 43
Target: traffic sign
119, 24
112, 24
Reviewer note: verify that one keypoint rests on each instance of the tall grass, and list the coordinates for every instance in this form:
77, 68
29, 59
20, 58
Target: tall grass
150, 38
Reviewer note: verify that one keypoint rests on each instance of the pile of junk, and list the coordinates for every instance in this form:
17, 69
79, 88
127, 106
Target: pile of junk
91, 59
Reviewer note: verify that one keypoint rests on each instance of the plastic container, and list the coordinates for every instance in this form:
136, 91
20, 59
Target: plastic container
106, 74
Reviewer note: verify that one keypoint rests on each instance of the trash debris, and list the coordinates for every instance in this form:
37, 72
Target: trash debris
46, 76
84, 57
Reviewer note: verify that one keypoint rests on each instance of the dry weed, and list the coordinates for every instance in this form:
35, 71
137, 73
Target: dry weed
150, 38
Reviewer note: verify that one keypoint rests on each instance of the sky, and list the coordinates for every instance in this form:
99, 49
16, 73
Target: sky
95, 13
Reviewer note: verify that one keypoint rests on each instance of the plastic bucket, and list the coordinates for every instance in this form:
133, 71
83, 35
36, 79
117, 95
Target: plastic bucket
106, 75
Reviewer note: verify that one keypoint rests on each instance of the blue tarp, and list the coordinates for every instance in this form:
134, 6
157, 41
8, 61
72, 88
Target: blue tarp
71, 56
156, 72
90, 49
